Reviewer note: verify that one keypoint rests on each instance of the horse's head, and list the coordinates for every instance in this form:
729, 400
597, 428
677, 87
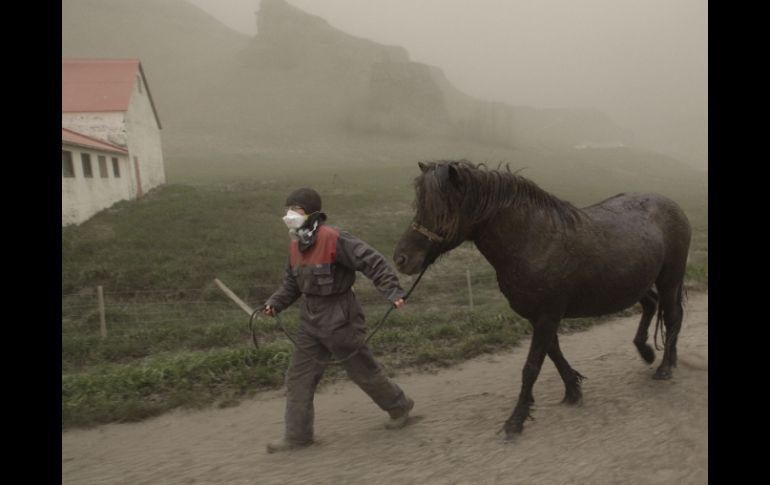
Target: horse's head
438, 225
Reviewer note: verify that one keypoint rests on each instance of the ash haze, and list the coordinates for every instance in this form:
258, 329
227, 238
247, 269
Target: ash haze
643, 63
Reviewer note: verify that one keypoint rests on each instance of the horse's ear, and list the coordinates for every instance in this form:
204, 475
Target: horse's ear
422, 166
454, 176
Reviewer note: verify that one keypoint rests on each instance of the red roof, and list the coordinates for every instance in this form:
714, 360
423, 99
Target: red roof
100, 85
74, 138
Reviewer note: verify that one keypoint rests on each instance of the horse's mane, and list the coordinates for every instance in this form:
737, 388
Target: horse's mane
474, 192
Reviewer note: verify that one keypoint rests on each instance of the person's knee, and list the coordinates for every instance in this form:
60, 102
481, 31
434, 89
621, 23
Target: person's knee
302, 385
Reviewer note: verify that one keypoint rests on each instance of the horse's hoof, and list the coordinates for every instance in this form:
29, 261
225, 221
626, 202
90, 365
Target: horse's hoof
572, 400
647, 354
662, 375
510, 432
503, 436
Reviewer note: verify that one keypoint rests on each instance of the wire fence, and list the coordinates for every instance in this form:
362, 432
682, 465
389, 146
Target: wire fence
121, 308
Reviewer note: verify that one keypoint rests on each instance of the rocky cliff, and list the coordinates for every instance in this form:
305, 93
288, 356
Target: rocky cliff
299, 78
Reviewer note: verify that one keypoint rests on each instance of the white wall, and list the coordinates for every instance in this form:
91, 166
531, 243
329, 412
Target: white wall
109, 127
143, 136
83, 197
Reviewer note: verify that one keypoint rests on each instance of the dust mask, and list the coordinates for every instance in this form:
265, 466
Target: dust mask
294, 220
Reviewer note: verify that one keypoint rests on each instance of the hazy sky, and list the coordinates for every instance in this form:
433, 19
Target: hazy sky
643, 62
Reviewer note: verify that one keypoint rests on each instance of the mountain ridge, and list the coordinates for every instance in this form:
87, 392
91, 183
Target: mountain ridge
298, 80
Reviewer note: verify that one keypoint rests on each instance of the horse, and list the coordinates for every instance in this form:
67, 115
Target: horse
554, 260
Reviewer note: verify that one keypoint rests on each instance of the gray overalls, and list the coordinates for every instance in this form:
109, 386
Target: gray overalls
332, 322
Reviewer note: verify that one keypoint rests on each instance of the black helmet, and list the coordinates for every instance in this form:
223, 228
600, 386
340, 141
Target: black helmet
306, 198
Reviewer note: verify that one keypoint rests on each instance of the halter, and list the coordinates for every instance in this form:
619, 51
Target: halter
432, 236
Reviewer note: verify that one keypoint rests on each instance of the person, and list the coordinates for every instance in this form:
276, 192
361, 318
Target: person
321, 268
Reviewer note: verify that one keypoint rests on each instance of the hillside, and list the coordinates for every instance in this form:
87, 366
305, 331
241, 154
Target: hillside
299, 80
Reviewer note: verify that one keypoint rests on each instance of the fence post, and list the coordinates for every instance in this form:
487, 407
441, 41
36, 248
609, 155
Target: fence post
102, 319
470, 288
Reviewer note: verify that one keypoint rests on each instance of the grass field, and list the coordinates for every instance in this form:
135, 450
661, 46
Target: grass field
175, 340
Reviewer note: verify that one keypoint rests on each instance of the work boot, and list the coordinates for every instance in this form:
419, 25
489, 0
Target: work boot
399, 419
286, 445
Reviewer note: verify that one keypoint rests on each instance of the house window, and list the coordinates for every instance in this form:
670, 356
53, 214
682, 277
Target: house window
103, 167
67, 168
115, 167
139, 83
85, 158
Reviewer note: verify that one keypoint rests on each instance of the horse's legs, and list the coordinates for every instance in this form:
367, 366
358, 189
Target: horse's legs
542, 338
571, 377
649, 304
672, 314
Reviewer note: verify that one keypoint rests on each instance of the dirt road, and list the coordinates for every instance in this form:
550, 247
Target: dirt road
631, 429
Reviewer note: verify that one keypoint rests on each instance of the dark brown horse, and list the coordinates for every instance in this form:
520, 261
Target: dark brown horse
554, 260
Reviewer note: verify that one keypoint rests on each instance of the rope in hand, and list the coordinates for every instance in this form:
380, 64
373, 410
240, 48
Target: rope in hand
332, 361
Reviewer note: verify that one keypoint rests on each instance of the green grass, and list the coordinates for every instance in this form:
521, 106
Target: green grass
174, 340
113, 392
152, 384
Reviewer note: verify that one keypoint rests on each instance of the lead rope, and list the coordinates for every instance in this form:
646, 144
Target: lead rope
333, 361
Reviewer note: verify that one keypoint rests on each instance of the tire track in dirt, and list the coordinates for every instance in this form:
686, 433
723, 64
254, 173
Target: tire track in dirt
631, 429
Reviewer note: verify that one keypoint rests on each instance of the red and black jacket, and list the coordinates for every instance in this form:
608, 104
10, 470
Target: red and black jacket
328, 267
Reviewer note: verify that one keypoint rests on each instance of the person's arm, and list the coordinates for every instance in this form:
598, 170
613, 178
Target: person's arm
285, 295
359, 256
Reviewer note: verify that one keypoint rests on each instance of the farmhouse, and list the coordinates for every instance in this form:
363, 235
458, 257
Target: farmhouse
111, 146
95, 175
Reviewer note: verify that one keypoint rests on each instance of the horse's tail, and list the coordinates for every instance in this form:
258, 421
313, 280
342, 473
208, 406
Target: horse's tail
681, 296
